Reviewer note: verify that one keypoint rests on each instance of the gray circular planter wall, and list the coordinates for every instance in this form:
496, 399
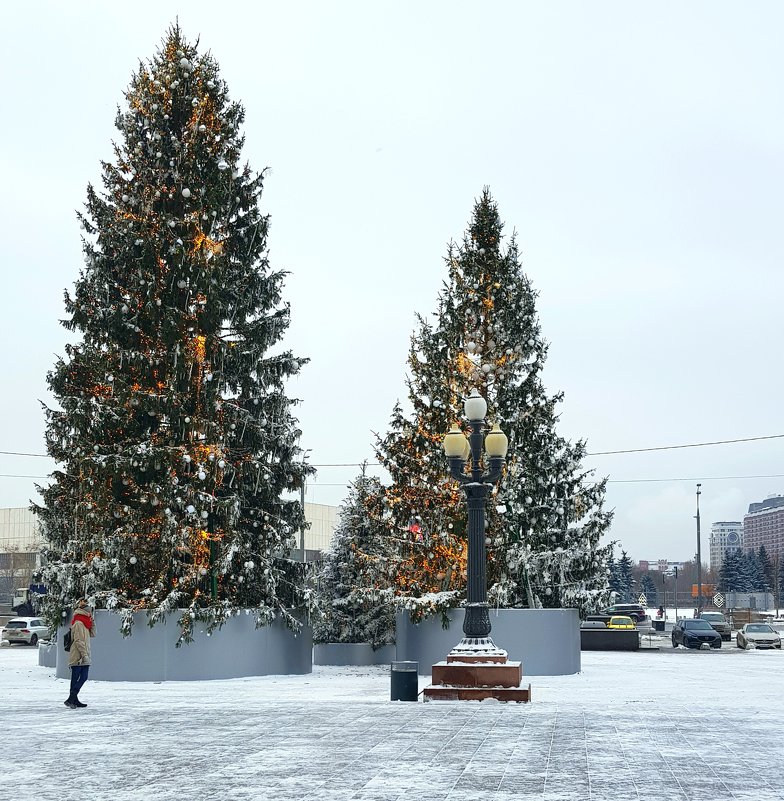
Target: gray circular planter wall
47, 654
352, 653
546, 641
149, 654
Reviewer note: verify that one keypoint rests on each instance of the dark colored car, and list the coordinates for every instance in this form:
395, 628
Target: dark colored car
695, 633
718, 622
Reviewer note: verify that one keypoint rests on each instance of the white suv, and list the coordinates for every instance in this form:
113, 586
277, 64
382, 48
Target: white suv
25, 629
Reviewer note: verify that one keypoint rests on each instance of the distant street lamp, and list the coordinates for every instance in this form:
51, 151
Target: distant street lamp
676, 593
699, 554
476, 484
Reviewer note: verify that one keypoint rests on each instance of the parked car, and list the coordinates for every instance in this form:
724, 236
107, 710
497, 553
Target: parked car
25, 629
636, 612
621, 622
695, 633
758, 635
718, 622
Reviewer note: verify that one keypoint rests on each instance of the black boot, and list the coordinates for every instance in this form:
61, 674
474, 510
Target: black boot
79, 704
70, 703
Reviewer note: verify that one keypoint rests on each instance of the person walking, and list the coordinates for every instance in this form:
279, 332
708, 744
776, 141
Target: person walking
82, 630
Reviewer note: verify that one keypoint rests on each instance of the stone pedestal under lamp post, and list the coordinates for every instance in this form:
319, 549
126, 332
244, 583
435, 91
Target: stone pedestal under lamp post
476, 668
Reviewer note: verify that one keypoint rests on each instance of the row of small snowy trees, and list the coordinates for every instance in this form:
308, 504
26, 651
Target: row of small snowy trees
621, 578
750, 571
624, 584
177, 451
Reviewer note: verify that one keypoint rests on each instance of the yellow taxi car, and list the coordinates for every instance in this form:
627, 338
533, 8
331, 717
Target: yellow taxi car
621, 622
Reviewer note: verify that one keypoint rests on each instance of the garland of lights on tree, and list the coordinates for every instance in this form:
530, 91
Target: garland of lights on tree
546, 519
426, 527
174, 434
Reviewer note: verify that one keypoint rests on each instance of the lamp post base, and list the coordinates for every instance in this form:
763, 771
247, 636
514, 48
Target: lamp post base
476, 676
476, 623
476, 668
477, 649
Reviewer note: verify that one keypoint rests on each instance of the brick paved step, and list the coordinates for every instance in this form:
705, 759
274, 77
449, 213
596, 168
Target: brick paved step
448, 693
487, 674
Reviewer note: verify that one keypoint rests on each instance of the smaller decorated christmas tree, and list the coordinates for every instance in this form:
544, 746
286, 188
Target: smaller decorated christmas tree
546, 520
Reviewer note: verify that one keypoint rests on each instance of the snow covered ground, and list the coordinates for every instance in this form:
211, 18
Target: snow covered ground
667, 724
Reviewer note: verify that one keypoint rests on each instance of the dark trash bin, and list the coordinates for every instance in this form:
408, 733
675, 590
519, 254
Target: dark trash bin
404, 681
658, 625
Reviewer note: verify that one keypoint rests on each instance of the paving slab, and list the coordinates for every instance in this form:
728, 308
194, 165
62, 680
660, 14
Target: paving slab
334, 736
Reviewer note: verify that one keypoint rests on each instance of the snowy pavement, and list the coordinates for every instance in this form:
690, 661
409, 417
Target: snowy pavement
649, 725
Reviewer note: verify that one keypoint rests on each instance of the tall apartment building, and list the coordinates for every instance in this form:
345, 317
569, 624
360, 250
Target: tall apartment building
764, 525
725, 537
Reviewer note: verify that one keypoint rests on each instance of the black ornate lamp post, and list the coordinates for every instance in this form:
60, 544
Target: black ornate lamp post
477, 484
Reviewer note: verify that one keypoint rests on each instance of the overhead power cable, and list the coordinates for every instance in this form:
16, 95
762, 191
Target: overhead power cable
698, 478
594, 453
690, 445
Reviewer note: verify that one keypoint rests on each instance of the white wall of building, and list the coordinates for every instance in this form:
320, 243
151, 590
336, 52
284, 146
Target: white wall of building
18, 530
323, 520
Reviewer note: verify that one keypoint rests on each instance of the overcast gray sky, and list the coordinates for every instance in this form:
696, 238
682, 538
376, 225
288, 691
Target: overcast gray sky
635, 148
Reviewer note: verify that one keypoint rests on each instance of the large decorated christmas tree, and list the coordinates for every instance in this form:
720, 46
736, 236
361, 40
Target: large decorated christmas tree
545, 522
174, 434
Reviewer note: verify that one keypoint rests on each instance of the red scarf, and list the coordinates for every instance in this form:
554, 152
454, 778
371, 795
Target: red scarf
85, 619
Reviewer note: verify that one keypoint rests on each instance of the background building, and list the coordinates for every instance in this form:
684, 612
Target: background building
323, 520
21, 543
764, 525
725, 537
20, 547
662, 565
